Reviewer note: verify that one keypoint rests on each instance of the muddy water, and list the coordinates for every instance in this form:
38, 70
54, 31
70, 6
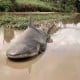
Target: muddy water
61, 61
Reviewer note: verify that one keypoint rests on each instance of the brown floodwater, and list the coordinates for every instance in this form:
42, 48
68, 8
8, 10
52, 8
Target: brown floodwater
60, 61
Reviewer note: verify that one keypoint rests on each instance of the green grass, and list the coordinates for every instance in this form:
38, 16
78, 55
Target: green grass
21, 22
35, 3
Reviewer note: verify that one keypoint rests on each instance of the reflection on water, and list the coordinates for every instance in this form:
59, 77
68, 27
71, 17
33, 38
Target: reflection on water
8, 34
61, 61
75, 19
1, 39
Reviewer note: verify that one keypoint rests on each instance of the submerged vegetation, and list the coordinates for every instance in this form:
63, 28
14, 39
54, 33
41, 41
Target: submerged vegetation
21, 21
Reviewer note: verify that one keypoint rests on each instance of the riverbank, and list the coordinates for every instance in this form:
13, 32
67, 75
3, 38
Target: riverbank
25, 5
39, 5
20, 20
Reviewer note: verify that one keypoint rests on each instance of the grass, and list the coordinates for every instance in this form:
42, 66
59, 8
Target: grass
25, 5
34, 2
37, 4
21, 22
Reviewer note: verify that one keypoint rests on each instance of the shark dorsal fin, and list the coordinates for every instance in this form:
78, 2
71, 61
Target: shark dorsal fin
31, 25
30, 21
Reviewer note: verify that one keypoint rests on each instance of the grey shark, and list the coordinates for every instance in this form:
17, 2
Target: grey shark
32, 42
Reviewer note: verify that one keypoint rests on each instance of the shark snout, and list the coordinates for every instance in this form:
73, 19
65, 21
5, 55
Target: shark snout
14, 55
